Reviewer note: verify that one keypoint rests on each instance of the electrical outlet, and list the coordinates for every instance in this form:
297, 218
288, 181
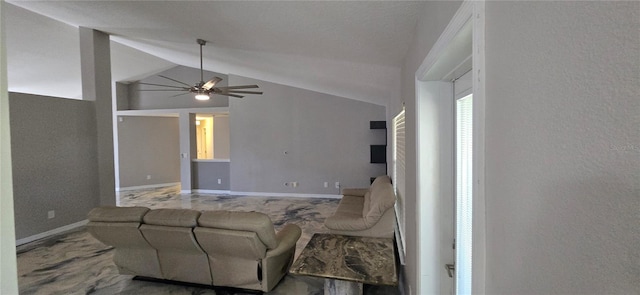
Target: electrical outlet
219, 181
148, 177
51, 214
326, 184
294, 184
337, 184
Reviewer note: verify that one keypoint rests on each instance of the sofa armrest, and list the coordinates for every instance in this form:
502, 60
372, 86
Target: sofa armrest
345, 222
358, 192
287, 238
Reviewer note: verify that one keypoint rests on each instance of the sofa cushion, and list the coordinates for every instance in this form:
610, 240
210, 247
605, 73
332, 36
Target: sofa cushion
117, 214
379, 182
382, 199
366, 205
172, 217
348, 222
256, 222
350, 205
358, 192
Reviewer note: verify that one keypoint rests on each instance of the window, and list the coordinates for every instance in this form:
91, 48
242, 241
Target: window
464, 193
398, 163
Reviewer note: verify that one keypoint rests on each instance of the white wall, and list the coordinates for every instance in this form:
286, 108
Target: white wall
8, 271
434, 19
435, 175
563, 147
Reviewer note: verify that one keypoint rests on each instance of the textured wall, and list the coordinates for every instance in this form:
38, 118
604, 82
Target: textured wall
148, 146
563, 147
54, 159
206, 174
326, 139
221, 145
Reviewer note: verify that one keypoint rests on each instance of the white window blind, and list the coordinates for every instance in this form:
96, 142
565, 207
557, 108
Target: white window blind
399, 177
464, 193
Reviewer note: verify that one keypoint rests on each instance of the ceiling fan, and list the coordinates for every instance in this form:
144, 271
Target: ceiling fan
203, 90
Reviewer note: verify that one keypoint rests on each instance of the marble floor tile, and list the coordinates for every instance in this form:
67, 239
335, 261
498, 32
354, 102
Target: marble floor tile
76, 263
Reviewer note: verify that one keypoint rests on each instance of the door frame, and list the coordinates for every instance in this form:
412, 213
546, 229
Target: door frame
473, 13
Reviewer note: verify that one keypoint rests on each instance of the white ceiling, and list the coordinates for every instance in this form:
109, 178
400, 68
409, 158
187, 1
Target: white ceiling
351, 49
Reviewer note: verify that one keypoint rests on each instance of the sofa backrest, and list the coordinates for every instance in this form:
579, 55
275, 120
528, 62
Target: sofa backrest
380, 199
256, 222
119, 227
170, 232
236, 243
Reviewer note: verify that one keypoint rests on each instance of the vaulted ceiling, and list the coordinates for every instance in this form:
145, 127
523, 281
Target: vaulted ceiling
351, 49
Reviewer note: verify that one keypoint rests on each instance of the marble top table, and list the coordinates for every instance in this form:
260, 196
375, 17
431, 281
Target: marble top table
346, 258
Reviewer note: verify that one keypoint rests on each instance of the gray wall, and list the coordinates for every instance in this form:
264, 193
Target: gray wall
562, 147
326, 139
54, 159
221, 145
148, 146
144, 100
206, 174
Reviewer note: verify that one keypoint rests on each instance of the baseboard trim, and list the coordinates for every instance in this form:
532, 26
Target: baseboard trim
209, 191
51, 232
292, 195
261, 194
130, 188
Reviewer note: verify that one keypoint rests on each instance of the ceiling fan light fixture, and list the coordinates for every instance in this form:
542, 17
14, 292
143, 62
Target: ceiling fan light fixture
202, 96
203, 90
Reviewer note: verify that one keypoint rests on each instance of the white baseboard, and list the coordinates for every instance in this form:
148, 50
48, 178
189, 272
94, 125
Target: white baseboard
261, 194
292, 195
51, 232
130, 188
210, 191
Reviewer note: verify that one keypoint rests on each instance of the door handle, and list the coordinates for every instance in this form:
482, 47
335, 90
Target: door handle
450, 269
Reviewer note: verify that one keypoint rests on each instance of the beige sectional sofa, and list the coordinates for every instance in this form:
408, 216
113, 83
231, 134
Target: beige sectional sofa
218, 248
367, 212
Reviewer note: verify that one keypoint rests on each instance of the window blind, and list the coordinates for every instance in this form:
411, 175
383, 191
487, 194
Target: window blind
399, 177
464, 193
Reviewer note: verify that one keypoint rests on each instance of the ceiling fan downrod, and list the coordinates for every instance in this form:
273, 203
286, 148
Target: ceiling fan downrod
202, 43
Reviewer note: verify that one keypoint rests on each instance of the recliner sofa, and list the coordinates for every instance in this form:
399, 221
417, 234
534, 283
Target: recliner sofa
218, 248
367, 212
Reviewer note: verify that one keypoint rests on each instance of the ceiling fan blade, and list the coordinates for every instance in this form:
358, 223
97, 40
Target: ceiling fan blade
170, 86
241, 91
179, 94
228, 94
239, 87
163, 90
174, 80
211, 83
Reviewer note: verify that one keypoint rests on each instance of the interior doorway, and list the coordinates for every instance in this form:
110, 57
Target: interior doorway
457, 51
204, 136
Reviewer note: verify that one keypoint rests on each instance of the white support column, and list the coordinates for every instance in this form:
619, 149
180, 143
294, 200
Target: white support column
8, 268
187, 130
95, 61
